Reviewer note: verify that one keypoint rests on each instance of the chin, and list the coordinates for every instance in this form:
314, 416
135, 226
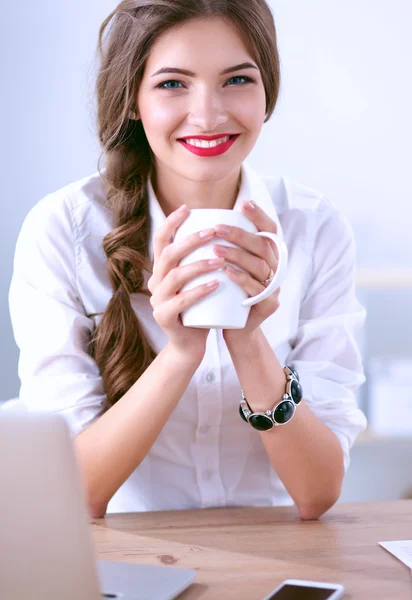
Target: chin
211, 172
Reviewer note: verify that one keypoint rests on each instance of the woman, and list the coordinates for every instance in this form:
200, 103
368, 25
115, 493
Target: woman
95, 302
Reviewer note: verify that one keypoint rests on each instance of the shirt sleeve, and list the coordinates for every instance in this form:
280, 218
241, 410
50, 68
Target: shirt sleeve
325, 351
49, 322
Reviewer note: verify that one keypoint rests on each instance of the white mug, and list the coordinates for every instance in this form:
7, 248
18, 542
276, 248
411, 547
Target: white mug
229, 305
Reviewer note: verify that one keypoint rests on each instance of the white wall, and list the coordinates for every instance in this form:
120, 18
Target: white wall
47, 52
342, 126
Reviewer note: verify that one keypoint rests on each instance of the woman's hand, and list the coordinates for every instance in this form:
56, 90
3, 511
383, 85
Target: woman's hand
168, 279
258, 257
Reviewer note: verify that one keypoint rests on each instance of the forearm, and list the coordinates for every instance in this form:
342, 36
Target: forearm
111, 449
305, 453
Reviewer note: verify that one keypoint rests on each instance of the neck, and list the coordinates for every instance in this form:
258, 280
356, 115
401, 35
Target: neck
172, 191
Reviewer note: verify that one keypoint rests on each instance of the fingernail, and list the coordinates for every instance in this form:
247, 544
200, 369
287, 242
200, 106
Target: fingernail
250, 205
221, 249
222, 230
212, 284
182, 209
216, 262
206, 233
231, 270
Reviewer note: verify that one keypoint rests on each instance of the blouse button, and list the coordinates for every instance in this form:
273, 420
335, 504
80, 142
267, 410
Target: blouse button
210, 377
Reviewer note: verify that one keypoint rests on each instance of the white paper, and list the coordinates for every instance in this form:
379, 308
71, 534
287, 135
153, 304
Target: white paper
402, 549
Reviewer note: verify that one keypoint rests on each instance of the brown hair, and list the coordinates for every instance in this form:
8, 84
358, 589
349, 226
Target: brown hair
118, 344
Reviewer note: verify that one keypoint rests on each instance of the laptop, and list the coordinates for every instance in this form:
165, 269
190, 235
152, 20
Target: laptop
46, 547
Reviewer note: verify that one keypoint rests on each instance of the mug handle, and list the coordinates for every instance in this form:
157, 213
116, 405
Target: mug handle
280, 273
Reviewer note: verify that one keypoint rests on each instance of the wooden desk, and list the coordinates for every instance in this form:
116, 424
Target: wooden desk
243, 553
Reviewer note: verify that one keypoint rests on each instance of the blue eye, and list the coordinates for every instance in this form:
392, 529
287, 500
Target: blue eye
243, 79
174, 84
165, 85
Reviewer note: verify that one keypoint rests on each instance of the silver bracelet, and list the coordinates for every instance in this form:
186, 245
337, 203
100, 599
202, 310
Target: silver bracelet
282, 412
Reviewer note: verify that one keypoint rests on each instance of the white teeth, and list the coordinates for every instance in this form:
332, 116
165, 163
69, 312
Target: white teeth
205, 143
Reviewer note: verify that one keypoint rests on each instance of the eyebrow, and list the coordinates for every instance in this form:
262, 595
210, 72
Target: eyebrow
168, 70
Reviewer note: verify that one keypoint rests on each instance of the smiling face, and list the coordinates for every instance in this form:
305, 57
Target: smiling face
204, 92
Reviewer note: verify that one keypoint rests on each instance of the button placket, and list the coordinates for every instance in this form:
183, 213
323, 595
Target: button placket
207, 475
209, 402
210, 377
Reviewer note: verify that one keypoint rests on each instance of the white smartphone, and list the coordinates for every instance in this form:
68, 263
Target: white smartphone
299, 589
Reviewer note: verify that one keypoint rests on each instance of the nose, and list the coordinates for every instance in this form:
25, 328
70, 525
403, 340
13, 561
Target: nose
206, 111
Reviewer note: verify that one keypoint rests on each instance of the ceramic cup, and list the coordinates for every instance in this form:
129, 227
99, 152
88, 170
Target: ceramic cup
229, 305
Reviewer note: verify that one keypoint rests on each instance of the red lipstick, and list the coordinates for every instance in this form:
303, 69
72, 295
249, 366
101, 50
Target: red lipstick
209, 152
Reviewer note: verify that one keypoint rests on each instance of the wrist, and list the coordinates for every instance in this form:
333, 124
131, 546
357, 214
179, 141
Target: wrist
239, 341
182, 357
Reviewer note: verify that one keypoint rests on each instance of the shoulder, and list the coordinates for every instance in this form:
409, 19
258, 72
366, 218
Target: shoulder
73, 198
52, 233
63, 211
289, 195
305, 212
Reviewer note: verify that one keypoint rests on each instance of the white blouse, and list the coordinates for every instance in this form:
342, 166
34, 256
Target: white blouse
206, 455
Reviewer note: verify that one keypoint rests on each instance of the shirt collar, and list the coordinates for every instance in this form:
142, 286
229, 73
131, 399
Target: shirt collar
252, 187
